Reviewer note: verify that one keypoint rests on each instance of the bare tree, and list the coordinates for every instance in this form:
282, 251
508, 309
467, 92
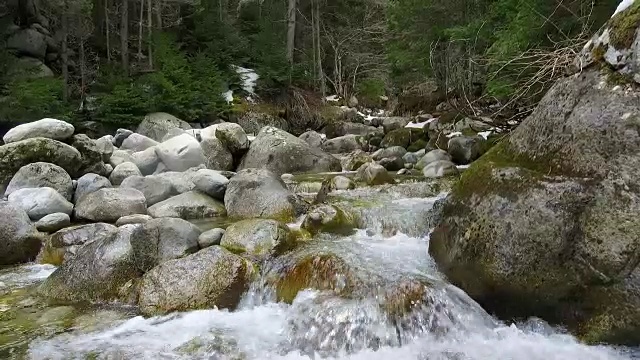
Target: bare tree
124, 35
292, 9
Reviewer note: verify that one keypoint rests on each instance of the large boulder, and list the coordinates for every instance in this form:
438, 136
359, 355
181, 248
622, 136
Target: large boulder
64, 244
18, 154
403, 137
104, 145
182, 181
374, 174
180, 153
546, 223
344, 144
233, 137
280, 152
391, 152
190, 205
212, 277
440, 168
260, 237
41, 174
40, 202
89, 183
91, 157
123, 171
354, 160
102, 270
19, 240
154, 188
432, 156
109, 204
28, 42
211, 182
259, 193
394, 123
342, 128
45, 128
313, 138
329, 219
252, 122
137, 142
120, 156
121, 135
465, 149
160, 240
217, 156
157, 125
53, 222
147, 160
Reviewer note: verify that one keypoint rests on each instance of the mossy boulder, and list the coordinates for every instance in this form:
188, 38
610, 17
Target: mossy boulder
212, 277
17, 154
403, 137
260, 237
546, 223
329, 219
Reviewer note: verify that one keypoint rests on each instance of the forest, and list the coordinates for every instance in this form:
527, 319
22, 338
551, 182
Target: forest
113, 61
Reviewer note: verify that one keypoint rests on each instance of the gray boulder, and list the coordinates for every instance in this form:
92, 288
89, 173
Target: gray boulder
121, 135
190, 205
123, 171
182, 181
160, 240
137, 142
180, 153
120, 156
15, 155
133, 219
260, 237
147, 160
105, 147
411, 158
342, 183
103, 270
154, 188
40, 202
28, 42
392, 163
394, 123
211, 183
374, 174
232, 137
157, 125
313, 138
343, 144
91, 157
45, 128
64, 244
210, 238
19, 240
432, 156
217, 156
41, 174
465, 149
280, 152
255, 193
110, 204
89, 183
53, 222
208, 278
440, 168
253, 122
390, 152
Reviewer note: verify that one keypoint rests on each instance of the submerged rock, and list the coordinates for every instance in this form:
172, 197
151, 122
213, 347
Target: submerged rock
261, 237
212, 277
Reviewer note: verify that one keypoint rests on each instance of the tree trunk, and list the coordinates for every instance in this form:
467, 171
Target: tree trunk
124, 35
65, 54
150, 33
83, 74
291, 29
107, 29
140, 24
318, 56
159, 5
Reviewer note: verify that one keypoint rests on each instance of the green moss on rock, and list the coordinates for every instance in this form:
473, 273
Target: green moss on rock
403, 137
623, 27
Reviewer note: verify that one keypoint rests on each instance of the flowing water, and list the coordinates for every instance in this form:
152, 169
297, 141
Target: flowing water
390, 248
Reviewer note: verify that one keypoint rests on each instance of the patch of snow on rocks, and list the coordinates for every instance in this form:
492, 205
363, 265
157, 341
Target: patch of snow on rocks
485, 134
249, 78
228, 96
420, 125
624, 5
457, 133
333, 98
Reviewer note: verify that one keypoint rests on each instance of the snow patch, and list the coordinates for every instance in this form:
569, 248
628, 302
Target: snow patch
485, 134
457, 133
249, 78
420, 125
228, 96
624, 5
333, 98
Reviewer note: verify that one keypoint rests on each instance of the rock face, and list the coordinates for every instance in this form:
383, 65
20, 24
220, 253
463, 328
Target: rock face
440, 168
89, 183
123, 171
110, 204
157, 125
190, 205
40, 202
254, 193
19, 240
233, 137
28, 42
46, 128
102, 270
343, 144
154, 188
18, 154
42, 174
546, 223
465, 149
180, 153
217, 156
280, 152
259, 237
160, 240
208, 278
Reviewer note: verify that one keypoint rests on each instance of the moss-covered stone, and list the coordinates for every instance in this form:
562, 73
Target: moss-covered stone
329, 219
623, 27
403, 137
418, 145
259, 237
